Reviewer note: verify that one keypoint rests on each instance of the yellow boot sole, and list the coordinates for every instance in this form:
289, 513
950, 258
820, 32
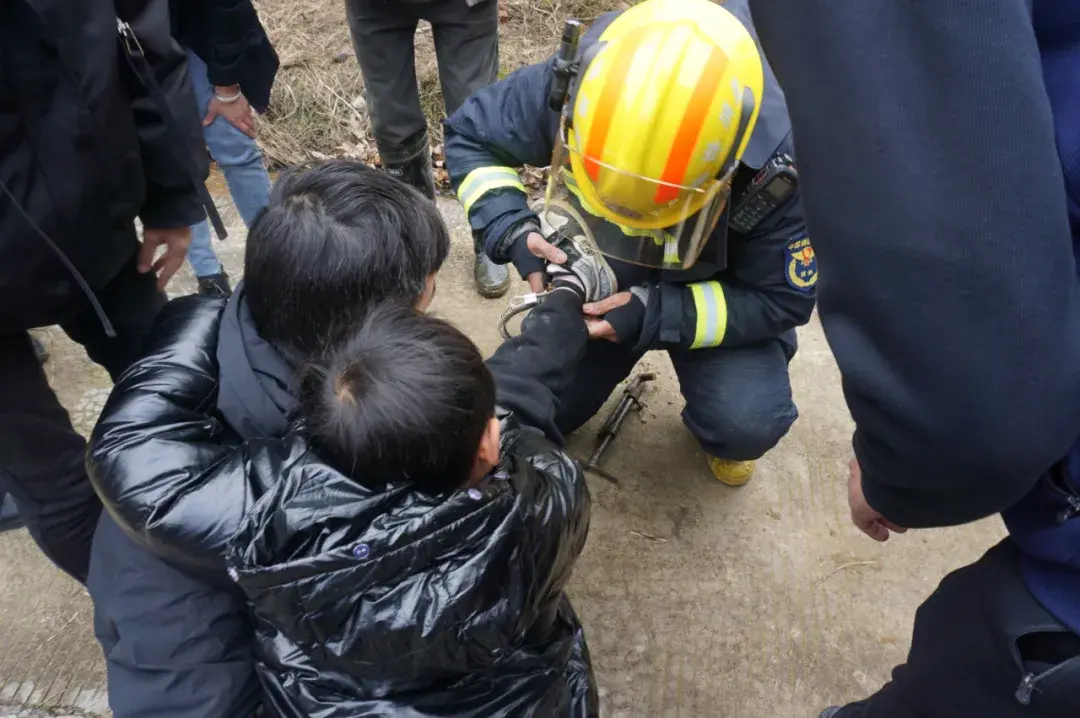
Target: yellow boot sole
731, 473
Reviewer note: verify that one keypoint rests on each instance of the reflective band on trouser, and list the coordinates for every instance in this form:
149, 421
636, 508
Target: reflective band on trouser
484, 179
711, 309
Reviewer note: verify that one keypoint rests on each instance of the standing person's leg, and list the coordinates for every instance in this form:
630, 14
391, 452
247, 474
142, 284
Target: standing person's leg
204, 261
738, 404
238, 156
41, 465
467, 49
982, 647
382, 34
213, 282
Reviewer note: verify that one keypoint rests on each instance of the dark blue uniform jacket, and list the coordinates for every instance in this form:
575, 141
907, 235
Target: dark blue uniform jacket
748, 292
940, 158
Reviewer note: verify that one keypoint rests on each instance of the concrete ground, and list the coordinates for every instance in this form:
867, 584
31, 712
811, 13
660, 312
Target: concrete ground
698, 600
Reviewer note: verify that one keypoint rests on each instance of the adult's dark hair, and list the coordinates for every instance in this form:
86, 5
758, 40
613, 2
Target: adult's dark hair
337, 239
405, 397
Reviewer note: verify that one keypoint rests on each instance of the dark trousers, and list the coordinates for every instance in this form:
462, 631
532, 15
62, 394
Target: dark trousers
738, 401
975, 640
42, 461
466, 46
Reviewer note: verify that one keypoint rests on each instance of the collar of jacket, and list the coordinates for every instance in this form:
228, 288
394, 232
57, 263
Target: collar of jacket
258, 391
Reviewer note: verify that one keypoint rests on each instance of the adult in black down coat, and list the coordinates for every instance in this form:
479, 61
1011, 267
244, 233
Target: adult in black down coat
84, 150
366, 600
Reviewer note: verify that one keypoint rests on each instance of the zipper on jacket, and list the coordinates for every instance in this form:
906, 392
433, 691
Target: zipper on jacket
1060, 487
1029, 681
1071, 511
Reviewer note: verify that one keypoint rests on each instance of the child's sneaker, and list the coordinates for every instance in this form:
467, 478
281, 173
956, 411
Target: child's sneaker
595, 277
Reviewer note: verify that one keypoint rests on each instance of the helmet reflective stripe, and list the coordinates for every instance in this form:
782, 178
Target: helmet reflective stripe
666, 101
686, 139
485, 179
607, 103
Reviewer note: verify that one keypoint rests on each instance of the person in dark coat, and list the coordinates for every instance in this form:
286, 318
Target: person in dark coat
722, 292
335, 240
948, 227
466, 37
85, 148
232, 66
216, 402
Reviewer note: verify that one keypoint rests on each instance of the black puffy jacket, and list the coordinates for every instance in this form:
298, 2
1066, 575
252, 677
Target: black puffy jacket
372, 603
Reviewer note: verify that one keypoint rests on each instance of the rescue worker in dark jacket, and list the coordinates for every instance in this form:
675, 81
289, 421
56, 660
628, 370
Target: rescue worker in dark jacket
85, 148
672, 118
423, 603
952, 303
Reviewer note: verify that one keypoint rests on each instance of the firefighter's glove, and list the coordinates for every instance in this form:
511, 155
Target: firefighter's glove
618, 318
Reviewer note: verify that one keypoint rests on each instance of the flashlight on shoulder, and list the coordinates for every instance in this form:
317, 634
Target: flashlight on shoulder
565, 64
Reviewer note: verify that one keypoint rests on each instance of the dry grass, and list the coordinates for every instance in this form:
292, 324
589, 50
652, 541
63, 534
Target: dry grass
316, 111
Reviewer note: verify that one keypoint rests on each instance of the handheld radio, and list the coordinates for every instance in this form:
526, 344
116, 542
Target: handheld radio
769, 189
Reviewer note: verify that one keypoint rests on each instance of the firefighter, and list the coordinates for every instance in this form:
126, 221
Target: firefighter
671, 148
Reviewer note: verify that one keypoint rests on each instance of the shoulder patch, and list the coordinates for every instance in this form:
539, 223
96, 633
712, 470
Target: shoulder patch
801, 270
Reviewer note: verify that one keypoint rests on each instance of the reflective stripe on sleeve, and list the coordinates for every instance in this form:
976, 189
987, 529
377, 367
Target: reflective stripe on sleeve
711, 309
484, 179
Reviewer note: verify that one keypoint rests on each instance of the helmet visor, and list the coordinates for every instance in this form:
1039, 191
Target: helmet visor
637, 219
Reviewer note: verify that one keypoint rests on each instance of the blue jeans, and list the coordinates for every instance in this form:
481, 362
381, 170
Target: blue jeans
242, 164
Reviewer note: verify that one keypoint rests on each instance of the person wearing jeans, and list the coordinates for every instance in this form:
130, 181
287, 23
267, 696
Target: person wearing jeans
466, 34
232, 67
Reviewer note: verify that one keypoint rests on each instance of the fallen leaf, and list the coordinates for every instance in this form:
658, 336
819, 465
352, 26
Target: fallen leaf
649, 537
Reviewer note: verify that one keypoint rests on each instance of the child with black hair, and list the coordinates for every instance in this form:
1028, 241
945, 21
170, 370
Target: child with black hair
400, 525
199, 430
425, 575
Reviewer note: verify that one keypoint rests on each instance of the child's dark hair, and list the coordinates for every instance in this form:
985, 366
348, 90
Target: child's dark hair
337, 239
405, 398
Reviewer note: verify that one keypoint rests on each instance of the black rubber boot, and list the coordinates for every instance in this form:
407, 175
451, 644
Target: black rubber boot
492, 280
416, 172
215, 286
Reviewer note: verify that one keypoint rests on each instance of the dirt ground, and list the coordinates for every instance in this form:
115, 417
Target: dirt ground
698, 600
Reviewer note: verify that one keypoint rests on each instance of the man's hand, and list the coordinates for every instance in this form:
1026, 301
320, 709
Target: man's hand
863, 515
176, 243
238, 113
618, 318
600, 328
540, 247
